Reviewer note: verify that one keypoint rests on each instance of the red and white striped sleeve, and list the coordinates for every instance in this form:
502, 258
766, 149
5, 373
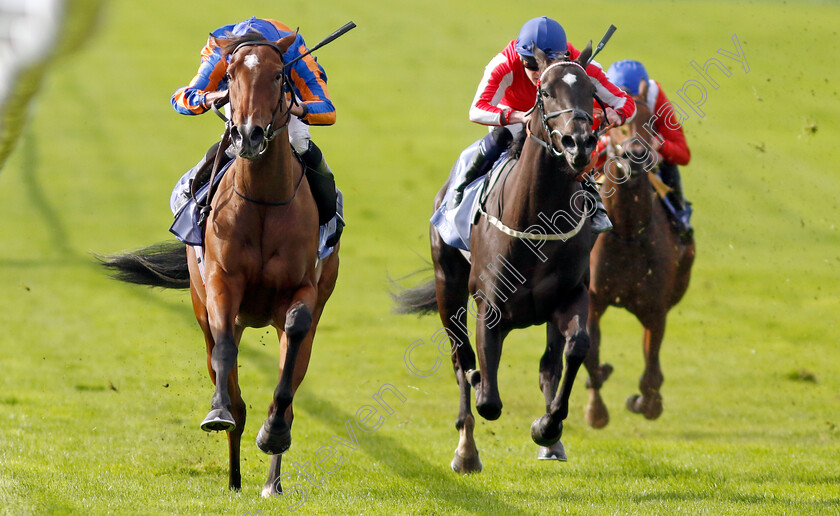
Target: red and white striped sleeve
611, 94
498, 76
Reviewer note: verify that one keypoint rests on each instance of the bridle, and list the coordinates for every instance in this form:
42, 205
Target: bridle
539, 106
269, 132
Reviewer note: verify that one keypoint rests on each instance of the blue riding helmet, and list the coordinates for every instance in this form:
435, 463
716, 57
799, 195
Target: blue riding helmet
254, 24
548, 35
627, 74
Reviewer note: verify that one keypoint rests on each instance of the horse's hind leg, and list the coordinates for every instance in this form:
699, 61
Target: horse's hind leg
649, 403
596, 412
546, 430
451, 278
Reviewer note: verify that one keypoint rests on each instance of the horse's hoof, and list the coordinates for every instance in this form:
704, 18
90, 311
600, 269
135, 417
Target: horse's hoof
553, 452
270, 489
544, 433
650, 406
606, 370
466, 465
274, 443
489, 411
597, 415
474, 377
218, 420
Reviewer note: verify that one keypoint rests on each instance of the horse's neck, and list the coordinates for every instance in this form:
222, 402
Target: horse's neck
270, 177
628, 202
540, 184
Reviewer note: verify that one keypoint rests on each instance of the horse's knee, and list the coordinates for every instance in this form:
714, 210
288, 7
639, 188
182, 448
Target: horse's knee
298, 322
578, 346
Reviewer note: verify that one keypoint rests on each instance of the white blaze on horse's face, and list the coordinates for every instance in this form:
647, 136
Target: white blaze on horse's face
252, 61
569, 79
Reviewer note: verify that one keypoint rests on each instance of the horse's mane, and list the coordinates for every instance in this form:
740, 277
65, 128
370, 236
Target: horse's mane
235, 41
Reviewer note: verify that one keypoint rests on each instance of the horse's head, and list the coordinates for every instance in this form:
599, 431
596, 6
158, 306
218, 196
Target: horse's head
633, 142
563, 110
257, 85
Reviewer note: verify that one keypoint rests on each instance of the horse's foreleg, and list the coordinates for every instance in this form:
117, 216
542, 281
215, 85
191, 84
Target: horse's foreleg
551, 367
237, 407
546, 430
596, 412
649, 403
489, 339
222, 305
275, 435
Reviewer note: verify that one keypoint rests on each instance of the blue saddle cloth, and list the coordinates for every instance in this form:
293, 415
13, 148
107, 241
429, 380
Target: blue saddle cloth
454, 225
186, 229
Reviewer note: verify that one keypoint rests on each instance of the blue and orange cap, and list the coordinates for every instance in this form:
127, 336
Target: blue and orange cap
254, 24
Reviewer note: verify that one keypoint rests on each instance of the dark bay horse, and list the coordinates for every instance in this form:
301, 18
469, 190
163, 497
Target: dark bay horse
530, 264
641, 265
260, 255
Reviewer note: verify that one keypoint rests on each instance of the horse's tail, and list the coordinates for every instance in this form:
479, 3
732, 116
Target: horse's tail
158, 265
420, 300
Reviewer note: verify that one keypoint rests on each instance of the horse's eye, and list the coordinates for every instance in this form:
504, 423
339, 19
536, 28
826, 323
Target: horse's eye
227, 76
279, 76
545, 94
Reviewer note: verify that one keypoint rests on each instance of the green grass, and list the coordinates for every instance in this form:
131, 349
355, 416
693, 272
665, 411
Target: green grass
103, 385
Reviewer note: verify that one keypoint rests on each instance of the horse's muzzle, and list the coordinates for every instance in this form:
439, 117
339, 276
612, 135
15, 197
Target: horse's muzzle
248, 140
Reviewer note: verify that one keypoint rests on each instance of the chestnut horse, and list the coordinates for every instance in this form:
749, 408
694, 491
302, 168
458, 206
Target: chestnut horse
530, 264
260, 254
641, 265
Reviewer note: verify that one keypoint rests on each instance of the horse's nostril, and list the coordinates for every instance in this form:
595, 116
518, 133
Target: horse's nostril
257, 136
568, 142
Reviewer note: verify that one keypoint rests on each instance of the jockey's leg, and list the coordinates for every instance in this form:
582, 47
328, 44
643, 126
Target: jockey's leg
598, 217
489, 150
318, 174
670, 175
201, 173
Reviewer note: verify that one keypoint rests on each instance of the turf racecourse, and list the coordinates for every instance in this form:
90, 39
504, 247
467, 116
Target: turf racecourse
103, 385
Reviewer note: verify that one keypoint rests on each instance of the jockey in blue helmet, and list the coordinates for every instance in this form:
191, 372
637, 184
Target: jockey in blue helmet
670, 142
508, 91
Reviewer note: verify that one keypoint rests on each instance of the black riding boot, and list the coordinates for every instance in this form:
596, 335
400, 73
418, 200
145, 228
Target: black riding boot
322, 183
670, 175
600, 220
489, 150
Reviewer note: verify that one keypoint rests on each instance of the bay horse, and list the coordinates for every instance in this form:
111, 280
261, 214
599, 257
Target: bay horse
641, 265
522, 277
260, 254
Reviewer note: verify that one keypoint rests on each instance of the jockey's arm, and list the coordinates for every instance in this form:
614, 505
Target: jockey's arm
207, 86
310, 84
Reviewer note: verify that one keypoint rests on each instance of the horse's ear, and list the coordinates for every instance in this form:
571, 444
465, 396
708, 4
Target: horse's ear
542, 59
285, 42
585, 55
218, 42
643, 88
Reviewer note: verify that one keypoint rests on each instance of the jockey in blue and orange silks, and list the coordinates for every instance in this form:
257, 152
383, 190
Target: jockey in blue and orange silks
508, 90
309, 84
